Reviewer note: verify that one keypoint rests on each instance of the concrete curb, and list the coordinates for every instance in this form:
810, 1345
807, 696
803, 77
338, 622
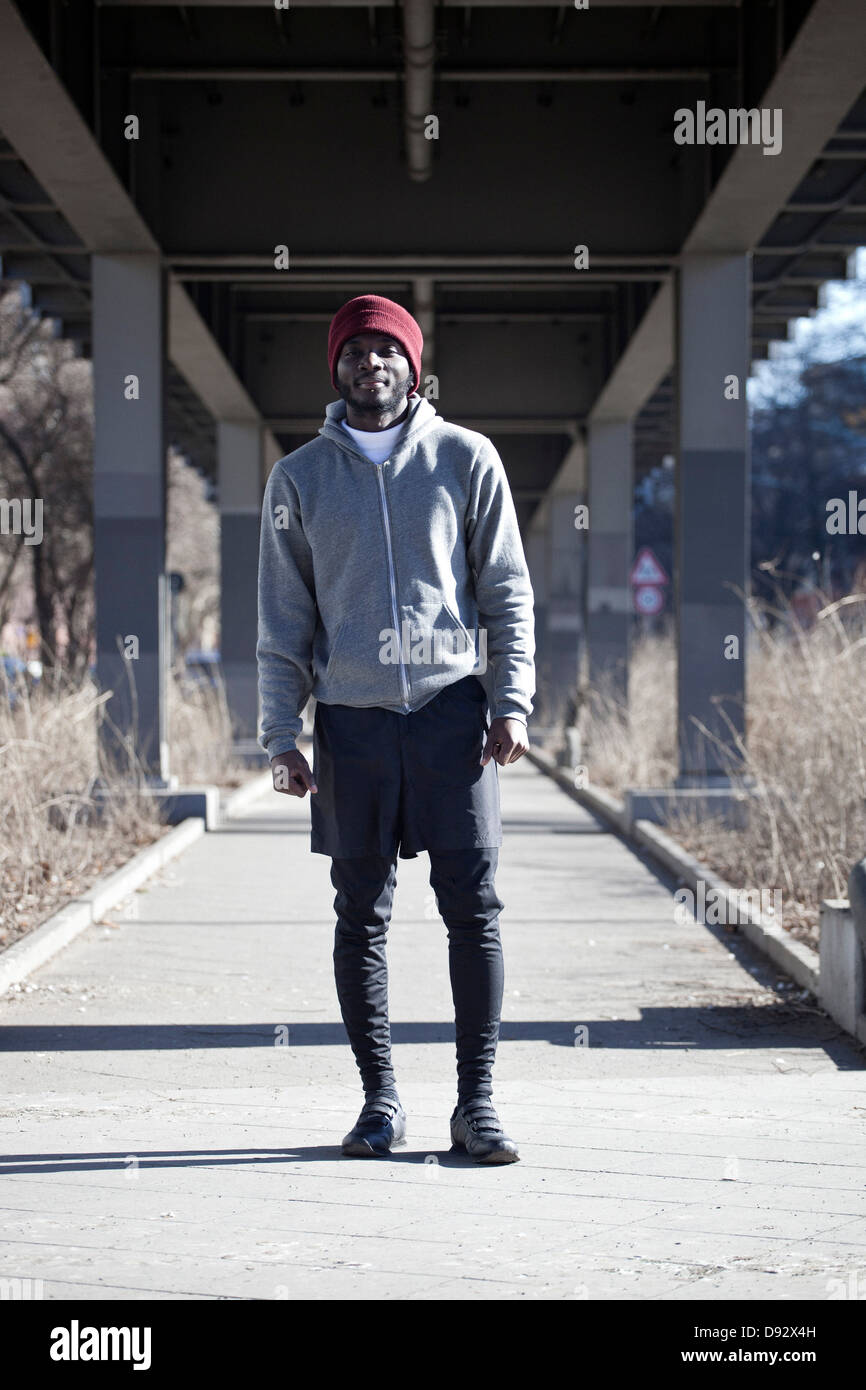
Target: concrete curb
793, 956
25, 956
796, 959
51, 936
244, 796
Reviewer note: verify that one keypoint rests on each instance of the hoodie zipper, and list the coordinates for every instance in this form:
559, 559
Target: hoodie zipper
379, 467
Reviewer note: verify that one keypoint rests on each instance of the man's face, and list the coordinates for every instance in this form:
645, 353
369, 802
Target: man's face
373, 374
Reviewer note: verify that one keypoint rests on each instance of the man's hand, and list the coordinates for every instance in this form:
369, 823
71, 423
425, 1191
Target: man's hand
292, 774
507, 740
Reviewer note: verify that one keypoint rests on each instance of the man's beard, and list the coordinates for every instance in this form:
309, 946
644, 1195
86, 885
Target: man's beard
394, 401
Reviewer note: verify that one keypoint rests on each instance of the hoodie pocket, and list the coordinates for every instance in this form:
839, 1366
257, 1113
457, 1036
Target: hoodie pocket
437, 642
473, 642
335, 649
360, 669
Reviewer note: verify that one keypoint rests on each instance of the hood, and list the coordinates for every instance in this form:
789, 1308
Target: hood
421, 418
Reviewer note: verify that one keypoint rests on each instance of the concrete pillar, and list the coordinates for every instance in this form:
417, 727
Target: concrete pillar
712, 507
239, 465
564, 616
610, 546
536, 549
129, 316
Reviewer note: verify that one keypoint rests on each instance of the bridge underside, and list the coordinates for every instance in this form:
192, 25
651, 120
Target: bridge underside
588, 286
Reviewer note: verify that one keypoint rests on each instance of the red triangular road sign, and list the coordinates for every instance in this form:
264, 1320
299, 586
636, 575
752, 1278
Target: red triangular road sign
647, 570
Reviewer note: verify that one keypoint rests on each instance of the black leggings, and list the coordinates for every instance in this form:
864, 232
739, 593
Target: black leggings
463, 882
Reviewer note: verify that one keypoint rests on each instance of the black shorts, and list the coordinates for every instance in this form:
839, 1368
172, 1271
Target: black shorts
392, 782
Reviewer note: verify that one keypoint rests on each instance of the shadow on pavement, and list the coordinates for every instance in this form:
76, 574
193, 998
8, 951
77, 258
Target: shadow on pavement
131, 1163
779, 1025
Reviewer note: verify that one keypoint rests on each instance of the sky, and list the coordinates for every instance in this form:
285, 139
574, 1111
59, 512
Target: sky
836, 331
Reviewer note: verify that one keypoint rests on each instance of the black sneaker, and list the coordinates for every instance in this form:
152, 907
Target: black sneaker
380, 1127
475, 1127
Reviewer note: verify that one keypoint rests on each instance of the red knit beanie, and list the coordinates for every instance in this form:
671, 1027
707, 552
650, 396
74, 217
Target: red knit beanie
372, 313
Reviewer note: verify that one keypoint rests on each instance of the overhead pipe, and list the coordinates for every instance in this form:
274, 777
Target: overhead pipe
368, 74
419, 52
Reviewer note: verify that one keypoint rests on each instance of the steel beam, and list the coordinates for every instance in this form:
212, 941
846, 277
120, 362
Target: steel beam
368, 74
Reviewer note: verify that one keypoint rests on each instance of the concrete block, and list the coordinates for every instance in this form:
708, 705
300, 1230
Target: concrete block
857, 899
203, 803
657, 803
842, 979
179, 803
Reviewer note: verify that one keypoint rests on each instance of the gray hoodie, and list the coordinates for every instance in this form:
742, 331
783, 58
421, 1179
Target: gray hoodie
382, 584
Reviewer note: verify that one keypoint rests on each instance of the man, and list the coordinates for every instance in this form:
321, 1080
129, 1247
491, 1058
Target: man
385, 543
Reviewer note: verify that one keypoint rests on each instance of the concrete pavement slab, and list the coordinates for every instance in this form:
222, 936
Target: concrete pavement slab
174, 1086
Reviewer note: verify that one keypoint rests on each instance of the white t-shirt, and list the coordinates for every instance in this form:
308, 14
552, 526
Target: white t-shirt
376, 444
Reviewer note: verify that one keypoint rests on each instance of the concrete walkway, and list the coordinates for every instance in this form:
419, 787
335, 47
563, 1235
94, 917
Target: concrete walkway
175, 1085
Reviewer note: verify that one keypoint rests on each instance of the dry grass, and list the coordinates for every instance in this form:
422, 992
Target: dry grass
54, 842
200, 733
634, 744
805, 753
